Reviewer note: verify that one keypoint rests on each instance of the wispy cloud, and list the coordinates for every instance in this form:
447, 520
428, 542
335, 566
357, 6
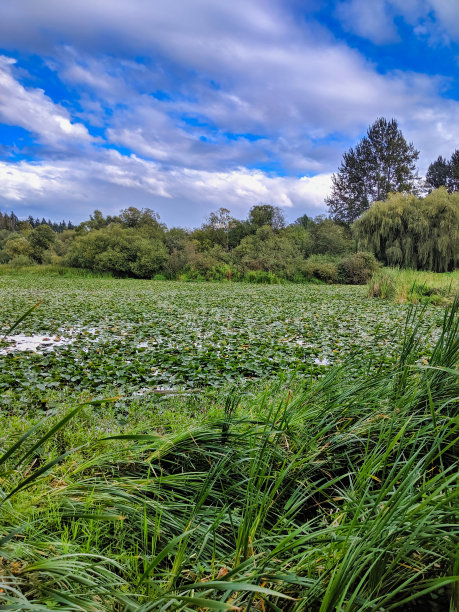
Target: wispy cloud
33, 110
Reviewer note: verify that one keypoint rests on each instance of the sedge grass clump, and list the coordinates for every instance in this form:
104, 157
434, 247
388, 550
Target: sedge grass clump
335, 493
414, 287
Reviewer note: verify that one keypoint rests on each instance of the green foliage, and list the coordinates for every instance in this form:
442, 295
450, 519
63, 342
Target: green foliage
330, 238
262, 277
118, 250
41, 239
135, 244
332, 493
414, 287
438, 174
18, 246
269, 251
412, 232
358, 268
20, 261
444, 173
266, 214
381, 163
320, 268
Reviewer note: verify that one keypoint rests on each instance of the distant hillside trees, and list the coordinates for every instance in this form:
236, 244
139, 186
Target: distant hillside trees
381, 163
419, 233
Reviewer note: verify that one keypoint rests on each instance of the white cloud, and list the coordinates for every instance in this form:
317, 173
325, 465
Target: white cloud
36, 112
372, 20
240, 67
112, 181
437, 20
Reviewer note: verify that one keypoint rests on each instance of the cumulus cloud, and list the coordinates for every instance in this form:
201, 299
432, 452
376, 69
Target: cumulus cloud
33, 110
82, 186
217, 103
271, 72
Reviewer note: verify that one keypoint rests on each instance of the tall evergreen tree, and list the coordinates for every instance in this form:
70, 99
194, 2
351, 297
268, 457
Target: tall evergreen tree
453, 183
438, 174
381, 163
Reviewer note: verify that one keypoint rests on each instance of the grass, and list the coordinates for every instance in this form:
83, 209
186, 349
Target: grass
414, 286
321, 494
51, 270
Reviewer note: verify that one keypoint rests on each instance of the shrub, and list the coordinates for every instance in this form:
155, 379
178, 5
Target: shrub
20, 260
358, 268
320, 268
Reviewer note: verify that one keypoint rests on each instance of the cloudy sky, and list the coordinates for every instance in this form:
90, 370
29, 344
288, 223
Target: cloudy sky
184, 106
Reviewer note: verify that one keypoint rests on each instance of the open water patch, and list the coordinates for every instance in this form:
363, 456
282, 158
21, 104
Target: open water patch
36, 344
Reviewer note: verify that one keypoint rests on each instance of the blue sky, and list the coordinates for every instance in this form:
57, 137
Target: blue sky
186, 106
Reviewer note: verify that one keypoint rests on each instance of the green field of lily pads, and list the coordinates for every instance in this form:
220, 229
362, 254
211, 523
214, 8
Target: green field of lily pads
141, 336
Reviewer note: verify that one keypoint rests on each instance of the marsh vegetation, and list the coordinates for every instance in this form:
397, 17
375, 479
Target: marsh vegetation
265, 480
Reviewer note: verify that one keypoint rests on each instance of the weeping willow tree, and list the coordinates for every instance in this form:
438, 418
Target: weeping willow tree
411, 232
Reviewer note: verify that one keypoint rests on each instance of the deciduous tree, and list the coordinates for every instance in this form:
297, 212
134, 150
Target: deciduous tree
419, 233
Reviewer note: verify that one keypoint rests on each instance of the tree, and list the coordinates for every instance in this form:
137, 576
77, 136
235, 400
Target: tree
438, 174
120, 250
217, 227
18, 245
41, 239
266, 214
269, 251
304, 221
381, 163
329, 238
453, 182
419, 233
443, 173
133, 217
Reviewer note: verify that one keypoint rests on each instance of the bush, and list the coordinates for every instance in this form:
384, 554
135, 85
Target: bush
358, 268
20, 260
320, 268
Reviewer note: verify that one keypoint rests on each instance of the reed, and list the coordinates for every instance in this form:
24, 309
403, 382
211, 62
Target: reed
338, 493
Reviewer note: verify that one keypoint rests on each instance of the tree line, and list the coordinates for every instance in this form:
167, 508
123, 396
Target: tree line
380, 210
11, 222
260, 248
383, 162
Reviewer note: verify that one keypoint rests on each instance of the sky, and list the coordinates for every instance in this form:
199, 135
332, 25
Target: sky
186, 106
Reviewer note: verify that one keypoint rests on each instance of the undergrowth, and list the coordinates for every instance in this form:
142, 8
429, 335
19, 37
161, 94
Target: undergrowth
414, 286
334, 493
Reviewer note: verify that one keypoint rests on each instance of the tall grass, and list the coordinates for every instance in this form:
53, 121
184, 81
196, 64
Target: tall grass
334, 494
414, 286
